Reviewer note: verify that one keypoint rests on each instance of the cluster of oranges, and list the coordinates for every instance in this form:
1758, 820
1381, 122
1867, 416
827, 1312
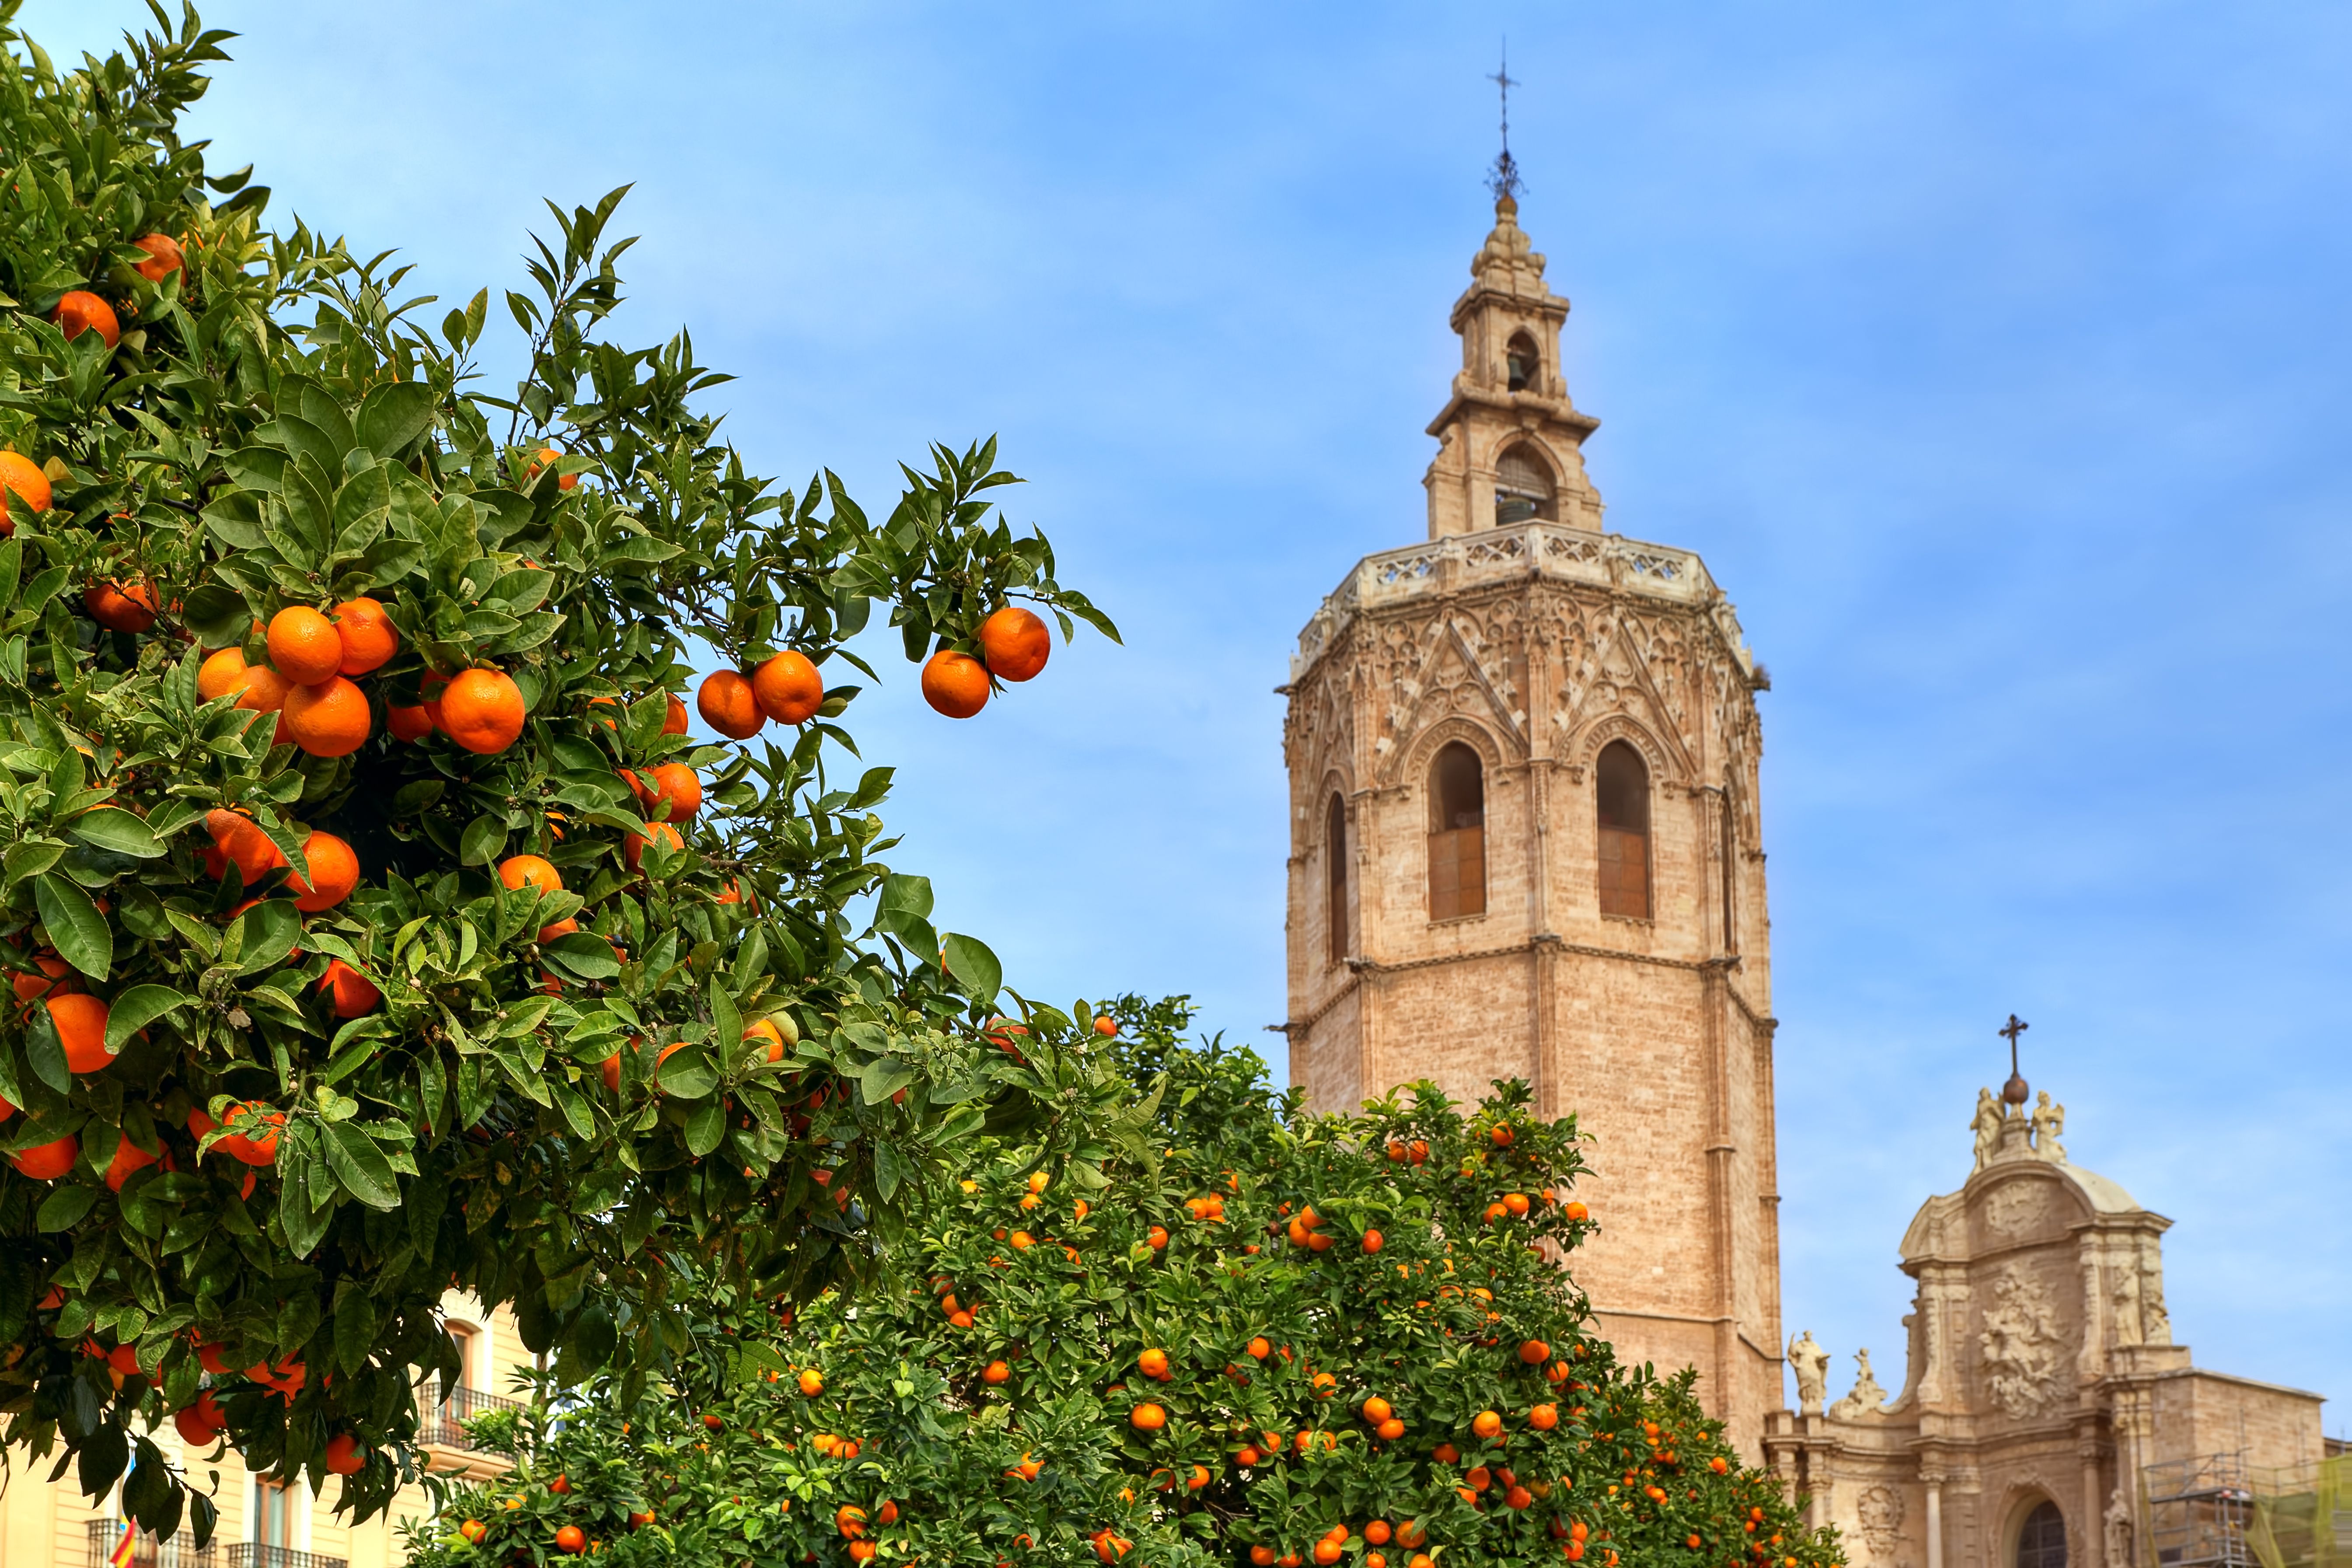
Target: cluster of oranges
78, 311
1409, 1537
1013, 646
312, 655
786, 688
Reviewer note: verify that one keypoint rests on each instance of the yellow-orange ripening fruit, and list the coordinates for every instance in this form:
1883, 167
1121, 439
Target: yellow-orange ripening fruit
221, 673
22, 483
369, 640
812, 1381
163, 257
1535, 1352
329, 720
955, 684
304, 645
729, 705
530, 871
543, 459
120, 607
335, 872
1486, 1424
1015, 644
482, 710
79, 311
788, 689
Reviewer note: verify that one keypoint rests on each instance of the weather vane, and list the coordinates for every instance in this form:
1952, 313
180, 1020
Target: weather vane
1505, 179
2015, 1091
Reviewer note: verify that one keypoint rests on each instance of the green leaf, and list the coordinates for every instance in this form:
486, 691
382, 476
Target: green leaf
687, 1074
138, 1007
111, 828
484, 839
394, 415
705, 1126
218, 614
359, 1164
63, 1209
272, 926
974, 966
47, 1053
75, 928
582, 954
885, 1077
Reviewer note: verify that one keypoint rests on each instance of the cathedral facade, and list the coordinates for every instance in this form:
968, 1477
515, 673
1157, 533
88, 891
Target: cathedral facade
1525, 843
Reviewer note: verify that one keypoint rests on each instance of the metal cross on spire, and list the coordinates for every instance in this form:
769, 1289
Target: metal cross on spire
2015, 1091
1504, 180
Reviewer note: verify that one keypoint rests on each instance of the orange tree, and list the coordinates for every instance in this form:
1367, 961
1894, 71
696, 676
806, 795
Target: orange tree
1198, 1324
377, 927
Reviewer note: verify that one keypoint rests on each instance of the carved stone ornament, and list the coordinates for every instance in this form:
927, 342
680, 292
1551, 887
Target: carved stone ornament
2021, 1348
1812, 1365
1864, 1397
2018, 1208
1879, 1511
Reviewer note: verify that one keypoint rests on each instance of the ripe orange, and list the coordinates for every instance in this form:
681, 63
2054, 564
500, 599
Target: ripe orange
1535, 1352
29, 985
1500, 1137
163, 257
121, 609
1486, 1424
304, 645
1015, 644
541, 461
788, 688
765, 1029
1326, 1550
22, 476
79, 311
220, 674
1719, 1464
344, 1455
82, 1030
1391, 1429
1152, 1363
729, 705
349, 992
1106, 1026
1148, 1417
47, 1161
812, 1381
955, 684
129, 1157
1577, 1212
200, 1420
570, 1538
633, 850
1517, 1203
1260, 1349
517, 870
1544, 1417
1263, 1556
368, 636
335, 872
672, 781
329, 720
237, 839
473, 1529
1374, 1241
408, 724
482, 710
674, 722
1377, 1533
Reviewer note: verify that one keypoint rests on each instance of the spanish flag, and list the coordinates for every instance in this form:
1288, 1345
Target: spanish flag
125, 1547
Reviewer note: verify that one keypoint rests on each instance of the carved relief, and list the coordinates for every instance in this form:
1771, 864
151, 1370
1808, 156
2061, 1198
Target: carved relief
1470, 662
2017, 1208
2019, 1351
1879, 1511
1865, 1398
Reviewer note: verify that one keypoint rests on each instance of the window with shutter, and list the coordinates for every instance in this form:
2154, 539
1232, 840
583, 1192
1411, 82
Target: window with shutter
1622, 790
1457, 833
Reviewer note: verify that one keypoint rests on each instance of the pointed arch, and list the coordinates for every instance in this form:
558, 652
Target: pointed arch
1457, 832
1620, 796
1335, 857
1526, 485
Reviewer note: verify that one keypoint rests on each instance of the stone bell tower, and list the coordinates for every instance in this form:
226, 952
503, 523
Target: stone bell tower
1525, 842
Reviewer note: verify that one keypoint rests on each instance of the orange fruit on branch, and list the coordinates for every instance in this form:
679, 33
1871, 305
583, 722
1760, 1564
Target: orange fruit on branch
729, 705
349, 992
345, 1455
788, 688
121, 609
335, 872
129, 1157
368, 636
955, 684
482, 710
82, 1030
24, 479
47, 1161
163, 257
220, 674
1015, 643
1147, 1416
79, 311
304, 645
633, 850
547, 458
329, 720
530, 871
672, 781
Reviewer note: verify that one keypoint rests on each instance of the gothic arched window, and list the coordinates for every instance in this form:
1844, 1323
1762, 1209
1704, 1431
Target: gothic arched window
2041, 1539
1523, 487
1623, 781
1457, 833
1335, 876
1522, 362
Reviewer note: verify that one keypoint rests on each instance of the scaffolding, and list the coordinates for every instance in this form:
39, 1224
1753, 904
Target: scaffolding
2217, 1513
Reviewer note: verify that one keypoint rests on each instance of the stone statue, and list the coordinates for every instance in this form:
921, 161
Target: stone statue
2049, 1121
2119, 1531
2155, 1323
1812, 1364
1865, 1398
1988, 1126
2124, 1296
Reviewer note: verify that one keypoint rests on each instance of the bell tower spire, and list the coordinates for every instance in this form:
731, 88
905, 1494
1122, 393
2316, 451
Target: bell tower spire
1510, 441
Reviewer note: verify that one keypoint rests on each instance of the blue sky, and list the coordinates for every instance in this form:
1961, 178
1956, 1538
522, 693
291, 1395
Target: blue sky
1994, 356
